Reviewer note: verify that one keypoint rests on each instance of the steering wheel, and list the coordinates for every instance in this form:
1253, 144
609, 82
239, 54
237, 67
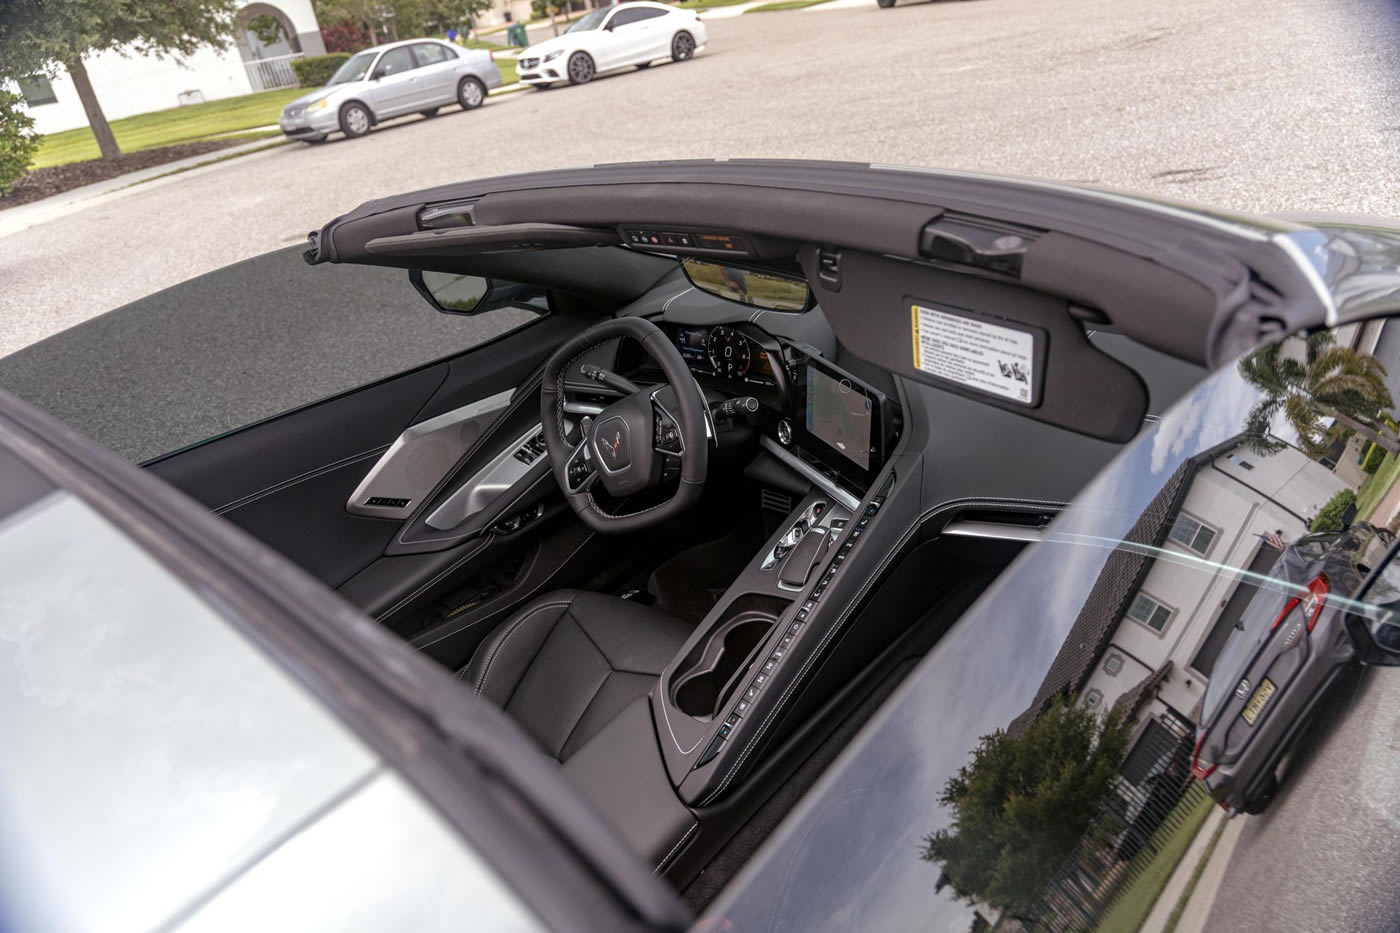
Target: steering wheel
629, 442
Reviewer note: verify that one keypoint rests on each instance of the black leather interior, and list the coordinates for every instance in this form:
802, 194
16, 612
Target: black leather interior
570, 661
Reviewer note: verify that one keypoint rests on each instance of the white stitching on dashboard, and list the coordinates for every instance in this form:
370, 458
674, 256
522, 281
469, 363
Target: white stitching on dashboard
309, 474
662, 864
946, 505
667, 306
486, 539
496, 648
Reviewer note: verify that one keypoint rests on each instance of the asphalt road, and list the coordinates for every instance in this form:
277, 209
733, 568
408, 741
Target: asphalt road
1324, 857
1257, 105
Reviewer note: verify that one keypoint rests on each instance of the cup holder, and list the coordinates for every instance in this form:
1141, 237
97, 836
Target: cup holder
714, 667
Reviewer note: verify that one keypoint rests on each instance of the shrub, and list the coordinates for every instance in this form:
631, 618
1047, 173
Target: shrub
18, 141
344, 36
1374, 457
317, 70
1329, 517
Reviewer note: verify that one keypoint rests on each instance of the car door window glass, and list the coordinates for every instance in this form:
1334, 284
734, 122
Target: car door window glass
430, 53
625, 18
1054, 756
395, 61
646, 14
234, 346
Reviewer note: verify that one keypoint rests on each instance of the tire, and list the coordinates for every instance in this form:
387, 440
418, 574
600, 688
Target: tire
1260, 802
355, 120
581, 68
885, 4
471, 93
682, 46
429, 113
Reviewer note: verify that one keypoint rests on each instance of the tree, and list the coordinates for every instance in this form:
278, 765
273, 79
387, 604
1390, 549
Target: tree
1329, 381
18, 141
267, 28
40, 36
457, 12
1023, 804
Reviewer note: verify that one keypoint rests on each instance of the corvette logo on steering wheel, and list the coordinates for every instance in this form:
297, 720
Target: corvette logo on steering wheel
617, 441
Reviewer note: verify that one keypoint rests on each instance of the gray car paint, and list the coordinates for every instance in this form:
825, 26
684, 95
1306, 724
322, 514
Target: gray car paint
155, 761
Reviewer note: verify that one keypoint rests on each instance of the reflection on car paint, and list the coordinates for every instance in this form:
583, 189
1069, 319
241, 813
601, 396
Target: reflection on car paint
1175, 655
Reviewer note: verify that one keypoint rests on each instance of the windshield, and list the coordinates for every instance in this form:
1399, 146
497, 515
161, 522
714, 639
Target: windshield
591, 21
354, 69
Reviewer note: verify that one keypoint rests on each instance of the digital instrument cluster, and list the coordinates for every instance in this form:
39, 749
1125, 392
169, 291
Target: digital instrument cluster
725, 353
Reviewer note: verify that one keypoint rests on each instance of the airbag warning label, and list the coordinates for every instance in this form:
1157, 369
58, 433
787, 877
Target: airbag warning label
974, 353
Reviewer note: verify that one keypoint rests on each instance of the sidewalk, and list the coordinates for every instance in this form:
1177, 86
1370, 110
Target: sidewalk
1193, 918
15, 219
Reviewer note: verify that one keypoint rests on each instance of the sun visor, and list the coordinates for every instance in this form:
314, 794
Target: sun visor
997, 342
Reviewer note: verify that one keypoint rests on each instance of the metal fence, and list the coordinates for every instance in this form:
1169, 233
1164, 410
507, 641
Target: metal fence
1154, 797
265, 74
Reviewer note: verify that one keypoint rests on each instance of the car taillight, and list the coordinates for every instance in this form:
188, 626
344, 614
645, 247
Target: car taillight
1201, 769
1317, 595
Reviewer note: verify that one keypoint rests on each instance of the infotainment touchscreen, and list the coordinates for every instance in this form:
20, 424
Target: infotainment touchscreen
840, 415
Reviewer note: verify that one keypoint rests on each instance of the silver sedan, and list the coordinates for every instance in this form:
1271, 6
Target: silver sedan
414, 76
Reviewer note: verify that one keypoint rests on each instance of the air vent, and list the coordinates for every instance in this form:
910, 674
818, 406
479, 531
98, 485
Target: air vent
385, 502
775, 501
829, 267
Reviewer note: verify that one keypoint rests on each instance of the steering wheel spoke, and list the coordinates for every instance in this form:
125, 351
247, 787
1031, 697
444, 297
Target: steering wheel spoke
579, 470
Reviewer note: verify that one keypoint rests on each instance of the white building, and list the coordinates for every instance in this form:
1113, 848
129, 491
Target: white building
130, 84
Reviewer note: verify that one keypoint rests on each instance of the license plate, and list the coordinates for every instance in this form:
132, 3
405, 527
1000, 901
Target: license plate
1256, 703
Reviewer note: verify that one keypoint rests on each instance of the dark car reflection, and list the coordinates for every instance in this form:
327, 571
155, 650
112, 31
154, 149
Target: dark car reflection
1293, 644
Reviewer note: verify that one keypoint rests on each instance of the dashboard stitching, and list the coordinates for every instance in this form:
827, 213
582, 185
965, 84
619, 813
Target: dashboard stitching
309, 474
667, 305
944, 506
453, 566
496, 648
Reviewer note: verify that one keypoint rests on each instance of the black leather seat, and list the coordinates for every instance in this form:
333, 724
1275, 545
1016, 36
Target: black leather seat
570, 660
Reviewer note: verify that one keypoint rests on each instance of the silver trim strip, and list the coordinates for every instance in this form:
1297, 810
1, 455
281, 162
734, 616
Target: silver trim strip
399, 487
485, 485
583, 408
821, 482
996, 530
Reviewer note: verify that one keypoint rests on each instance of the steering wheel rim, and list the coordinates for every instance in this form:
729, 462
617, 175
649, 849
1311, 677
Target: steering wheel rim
628, 461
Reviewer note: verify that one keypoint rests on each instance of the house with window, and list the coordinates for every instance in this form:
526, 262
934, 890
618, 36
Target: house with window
127, 84
1147, 638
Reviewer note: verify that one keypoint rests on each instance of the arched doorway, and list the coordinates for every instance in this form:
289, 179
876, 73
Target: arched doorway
268, 43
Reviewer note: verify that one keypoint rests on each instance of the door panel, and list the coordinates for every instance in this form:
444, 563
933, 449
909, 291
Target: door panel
437, 67
397, 88
288, 480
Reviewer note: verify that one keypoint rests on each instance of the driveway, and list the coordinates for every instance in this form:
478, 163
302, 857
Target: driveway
1252, 105
1325, 855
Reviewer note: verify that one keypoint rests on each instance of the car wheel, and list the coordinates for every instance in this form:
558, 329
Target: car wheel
430, 112
885, 4
1260, 802
354, 120
682, 47
581, 68
470, 93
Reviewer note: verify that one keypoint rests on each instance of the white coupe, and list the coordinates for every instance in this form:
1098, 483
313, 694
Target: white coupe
635, 33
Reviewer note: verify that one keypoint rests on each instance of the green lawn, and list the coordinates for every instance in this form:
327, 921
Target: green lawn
1374, 488
1135, 901
508, 72
167, 127
783, 5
